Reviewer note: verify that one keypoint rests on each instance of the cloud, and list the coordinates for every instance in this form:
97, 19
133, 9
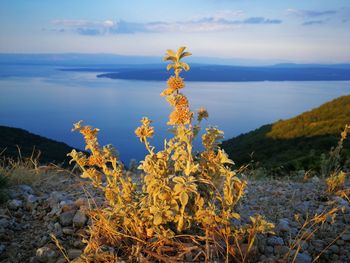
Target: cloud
220, 21
310, 13
313, 22
261, 20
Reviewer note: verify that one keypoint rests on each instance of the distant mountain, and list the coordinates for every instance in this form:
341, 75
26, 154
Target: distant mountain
51, 151
296, 143
238, 73
293, 65
83, 59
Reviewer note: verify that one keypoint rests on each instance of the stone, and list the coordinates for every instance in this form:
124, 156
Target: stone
61, 260
341, 201
78, 244
55, 198
4, 223
68, 231
345, 237
303, 207
57, 229
334, 249
303, 258
46, 254
283, 225
280, 250
68, 207
340, 242
26, 189
2, 249
81, 202
15, 204
275, 240
79, 219
31, 202
43, 241
315, 180
74, 253
268, 250
66, 218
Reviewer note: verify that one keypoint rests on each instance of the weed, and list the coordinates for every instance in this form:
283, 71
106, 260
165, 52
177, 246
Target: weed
185, 207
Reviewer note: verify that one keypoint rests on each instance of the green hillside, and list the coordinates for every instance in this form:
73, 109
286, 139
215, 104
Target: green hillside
296, 143
51, 151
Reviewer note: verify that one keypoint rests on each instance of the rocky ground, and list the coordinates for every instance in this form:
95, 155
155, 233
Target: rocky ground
58, 206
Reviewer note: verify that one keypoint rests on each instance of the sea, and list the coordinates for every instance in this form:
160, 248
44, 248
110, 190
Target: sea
47, 101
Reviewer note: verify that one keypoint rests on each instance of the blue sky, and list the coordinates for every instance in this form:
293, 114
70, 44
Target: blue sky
299, 31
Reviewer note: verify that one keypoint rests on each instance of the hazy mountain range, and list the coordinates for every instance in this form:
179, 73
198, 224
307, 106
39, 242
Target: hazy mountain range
80, 59
153, 68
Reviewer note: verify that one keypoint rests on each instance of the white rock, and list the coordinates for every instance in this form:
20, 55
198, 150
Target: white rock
46, 254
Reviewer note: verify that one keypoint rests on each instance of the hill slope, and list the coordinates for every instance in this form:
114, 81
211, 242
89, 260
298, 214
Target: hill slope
296, 143
51, 151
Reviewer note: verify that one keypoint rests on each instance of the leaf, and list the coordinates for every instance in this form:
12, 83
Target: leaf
185, 54
85, 175
157, 220
184, 199
178, 188
170, 52
172, 58
180, 51
169, 66
236, 215
179, 180
185, 66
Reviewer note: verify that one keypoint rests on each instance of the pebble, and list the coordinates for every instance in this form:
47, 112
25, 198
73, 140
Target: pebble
68, 231
303, 258
15, 204
345, 237
46, 255
66, 218
26, 189
274, 241
74, 253
79, 219
283, 225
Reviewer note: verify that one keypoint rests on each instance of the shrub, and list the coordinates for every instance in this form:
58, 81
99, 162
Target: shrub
3, 186
185, 206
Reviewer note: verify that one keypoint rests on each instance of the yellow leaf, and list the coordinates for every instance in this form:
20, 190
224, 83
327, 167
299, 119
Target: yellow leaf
179, 179
178, 188
184, 199
180, 51
170, 52
169, 66
157, 220
236, 215
185, 54
185, 66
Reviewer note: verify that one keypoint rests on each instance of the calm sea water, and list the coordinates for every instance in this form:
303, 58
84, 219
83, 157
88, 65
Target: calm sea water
47, 102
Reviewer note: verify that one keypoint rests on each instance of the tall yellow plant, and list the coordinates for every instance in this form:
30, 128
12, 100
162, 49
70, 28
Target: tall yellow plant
185, 198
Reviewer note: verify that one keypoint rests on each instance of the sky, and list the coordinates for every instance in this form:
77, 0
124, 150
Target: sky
301, 31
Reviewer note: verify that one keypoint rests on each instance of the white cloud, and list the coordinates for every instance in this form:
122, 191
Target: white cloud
226, 20
310, 13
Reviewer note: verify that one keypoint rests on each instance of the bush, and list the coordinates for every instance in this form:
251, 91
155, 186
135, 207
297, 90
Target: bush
3, 186
185, 206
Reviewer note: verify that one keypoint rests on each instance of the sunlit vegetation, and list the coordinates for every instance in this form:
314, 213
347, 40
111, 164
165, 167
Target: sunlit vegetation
183, 209
297, 143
